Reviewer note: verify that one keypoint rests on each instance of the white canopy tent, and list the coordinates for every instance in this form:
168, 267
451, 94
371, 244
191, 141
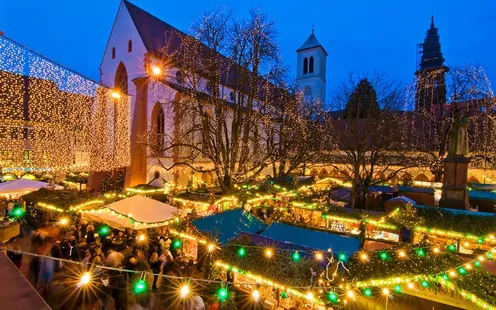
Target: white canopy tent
20, 187
136, 212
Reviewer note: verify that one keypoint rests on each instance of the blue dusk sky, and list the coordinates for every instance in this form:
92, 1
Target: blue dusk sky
359, 35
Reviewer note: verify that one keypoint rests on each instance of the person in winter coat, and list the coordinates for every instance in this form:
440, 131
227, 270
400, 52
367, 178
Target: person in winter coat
119, 290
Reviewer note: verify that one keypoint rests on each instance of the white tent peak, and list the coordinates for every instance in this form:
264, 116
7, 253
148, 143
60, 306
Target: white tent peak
21, 186
139, 208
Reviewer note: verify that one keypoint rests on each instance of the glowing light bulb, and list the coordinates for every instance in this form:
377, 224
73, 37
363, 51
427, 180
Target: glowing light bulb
184, 291
452, 274
210, 247
350, 294
141, 237
364, 256
255, 294
385, 291
401, 254
466, 244
410, 285
116, 95
309, 296
268, 253
156, 70
85, 278
436, 250
64, 221
319, 256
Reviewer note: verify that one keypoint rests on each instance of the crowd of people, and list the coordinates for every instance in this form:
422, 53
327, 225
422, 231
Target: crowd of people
118, 259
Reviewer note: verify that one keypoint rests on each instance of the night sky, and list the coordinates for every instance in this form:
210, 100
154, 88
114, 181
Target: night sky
359, 35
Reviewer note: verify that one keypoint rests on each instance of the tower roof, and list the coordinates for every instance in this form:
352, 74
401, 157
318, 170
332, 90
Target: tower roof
432, 57
311, 42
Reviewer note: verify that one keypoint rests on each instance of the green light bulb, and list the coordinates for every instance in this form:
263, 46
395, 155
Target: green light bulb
333, 297
284, 295
140, 287
445, 277
420, 253
367, 292
222, 294
241, 252
342, 257
176, 244
425, 283
452, 247
296, 256
383, 256
462, 270
397, 288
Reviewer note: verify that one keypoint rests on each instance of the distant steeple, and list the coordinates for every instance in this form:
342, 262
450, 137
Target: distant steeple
311, 42
432, 57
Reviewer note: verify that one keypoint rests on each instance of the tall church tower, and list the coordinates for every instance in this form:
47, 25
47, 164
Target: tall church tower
431, 85
311, 69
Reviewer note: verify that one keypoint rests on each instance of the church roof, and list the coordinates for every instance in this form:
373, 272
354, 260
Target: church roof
311, 42
432, 57
153, 30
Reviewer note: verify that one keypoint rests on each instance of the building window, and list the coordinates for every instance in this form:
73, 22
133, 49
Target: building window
311, 65
160, 129
27, 155
232, 97
113, 52
305, 65
179, 77
120, 81
129, 46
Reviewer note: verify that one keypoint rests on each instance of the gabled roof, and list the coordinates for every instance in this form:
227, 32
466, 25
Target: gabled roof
227, 225
154, 32
311, 42
312, 239
160, 37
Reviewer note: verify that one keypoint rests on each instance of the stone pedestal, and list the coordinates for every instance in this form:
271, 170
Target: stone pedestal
455, 193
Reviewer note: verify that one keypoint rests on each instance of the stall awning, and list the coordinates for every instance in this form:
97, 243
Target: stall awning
401, 200
227, 225
21, 187
312, 239
128, 212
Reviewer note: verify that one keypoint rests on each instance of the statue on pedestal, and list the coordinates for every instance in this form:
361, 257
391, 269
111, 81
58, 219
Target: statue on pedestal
458, 145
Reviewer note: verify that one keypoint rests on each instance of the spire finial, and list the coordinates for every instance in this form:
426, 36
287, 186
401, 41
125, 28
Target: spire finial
432, 21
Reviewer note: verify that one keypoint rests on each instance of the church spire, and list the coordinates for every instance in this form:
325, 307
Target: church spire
432, 57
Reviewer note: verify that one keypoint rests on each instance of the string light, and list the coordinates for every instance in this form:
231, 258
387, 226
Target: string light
350, 294
211, 247
85, 278
268, 253
385, 291
67, 113
64, 221
184, 291
319, 256
256, 295
401, 254
142, 237
364, 257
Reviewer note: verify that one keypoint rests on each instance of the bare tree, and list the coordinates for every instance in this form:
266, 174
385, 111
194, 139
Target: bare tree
293, 130
224, 97
371, 136
465, 90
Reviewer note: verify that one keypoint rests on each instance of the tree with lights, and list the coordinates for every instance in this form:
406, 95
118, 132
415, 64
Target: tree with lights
225, 97
464, 91
371, 139
293, 133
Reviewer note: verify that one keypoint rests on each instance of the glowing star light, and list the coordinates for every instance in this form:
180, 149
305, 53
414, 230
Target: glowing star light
211, 247
85, 278
268, 253
156, 70
141, 237
255, 294
184, 291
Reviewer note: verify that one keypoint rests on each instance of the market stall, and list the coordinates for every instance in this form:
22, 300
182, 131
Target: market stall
137, 212
20, 187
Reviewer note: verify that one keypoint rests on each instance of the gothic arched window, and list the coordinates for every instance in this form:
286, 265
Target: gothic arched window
129, 46
113, 52
305, 65
160, 128
311, 65
120, 81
